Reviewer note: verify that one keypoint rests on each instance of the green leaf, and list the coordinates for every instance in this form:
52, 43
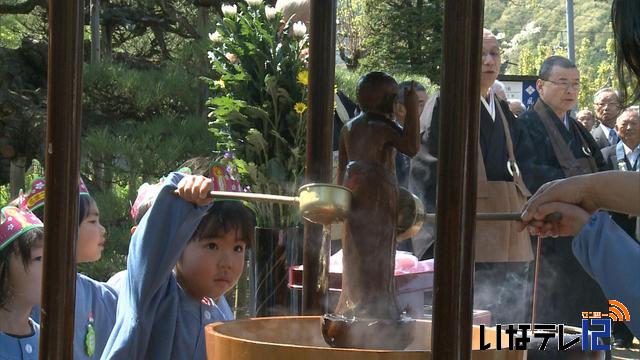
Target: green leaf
276, 170
255, 138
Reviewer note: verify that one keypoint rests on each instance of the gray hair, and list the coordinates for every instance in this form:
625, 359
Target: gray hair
605, 90
549, 63
407, 85
585, 111
631, 109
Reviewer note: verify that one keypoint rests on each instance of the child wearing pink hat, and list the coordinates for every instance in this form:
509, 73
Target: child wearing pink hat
96, 302
21, 247
184, 255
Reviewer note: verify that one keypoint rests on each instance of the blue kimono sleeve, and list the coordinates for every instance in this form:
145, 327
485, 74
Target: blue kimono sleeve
155, 248
159, 241
612, 258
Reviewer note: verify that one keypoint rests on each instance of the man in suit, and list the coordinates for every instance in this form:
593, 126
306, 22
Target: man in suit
501, 256
607, 106
624, 156
628, 129
585, 117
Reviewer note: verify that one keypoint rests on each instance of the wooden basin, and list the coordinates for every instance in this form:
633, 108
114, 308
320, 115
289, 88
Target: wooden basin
288, 338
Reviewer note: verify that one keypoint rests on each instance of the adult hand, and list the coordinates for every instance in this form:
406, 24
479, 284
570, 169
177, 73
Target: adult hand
195, 189
572, 220
569, 191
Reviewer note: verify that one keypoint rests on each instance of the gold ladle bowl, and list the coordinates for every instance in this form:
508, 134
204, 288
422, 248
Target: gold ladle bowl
324, 203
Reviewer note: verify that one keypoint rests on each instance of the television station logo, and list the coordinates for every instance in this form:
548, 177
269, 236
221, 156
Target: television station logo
595, 329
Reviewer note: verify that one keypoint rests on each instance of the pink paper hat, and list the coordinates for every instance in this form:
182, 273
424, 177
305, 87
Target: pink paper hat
147, 194
35, 198
223, 178
15, 222
82, 188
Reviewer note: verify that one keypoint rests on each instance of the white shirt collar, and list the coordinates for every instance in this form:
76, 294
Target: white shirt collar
606, 129
491, 106
628, 150
632, 154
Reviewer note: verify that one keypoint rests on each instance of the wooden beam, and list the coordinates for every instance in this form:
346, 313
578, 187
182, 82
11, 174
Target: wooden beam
322, 53
62, 163
457, 172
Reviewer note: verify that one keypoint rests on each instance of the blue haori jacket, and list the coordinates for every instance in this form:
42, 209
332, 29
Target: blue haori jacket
156, 319
612, 258
95, 309
25, 348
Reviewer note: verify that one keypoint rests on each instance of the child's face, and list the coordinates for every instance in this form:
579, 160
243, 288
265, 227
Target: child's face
91, 237
212, 266
26, 284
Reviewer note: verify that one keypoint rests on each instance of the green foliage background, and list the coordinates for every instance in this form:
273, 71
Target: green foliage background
524, 50
403, 36
143, 107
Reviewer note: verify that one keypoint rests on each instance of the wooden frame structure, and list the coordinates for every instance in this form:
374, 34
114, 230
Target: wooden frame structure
453, 289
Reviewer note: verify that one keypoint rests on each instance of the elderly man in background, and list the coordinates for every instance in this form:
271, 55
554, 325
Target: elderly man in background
624, 156
607, 106
585, 117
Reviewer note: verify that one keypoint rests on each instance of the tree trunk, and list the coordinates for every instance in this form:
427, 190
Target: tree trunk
203, 88
95, 31
16, 176
98, 174
108, 173
107, 33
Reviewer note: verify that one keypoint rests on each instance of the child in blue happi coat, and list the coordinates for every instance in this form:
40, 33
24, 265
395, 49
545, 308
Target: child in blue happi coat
147, 194
21, 247
96, 302
183, 257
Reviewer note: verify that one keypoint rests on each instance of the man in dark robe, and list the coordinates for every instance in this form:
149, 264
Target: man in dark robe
501, 261
563, 149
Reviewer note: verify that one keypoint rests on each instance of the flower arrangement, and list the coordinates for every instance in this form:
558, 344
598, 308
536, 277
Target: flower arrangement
259, 101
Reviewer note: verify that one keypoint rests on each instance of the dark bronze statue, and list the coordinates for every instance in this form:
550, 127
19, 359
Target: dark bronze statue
368, 314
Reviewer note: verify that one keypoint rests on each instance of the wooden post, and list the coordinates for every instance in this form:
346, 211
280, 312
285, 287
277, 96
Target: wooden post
457, 172
62, 162
322, 53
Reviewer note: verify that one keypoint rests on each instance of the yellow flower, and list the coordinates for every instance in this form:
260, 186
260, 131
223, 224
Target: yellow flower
303, 77
300, 107
219, 83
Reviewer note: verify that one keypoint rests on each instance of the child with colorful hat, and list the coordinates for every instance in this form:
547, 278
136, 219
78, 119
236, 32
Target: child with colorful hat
21, 248
184, 255
96, 302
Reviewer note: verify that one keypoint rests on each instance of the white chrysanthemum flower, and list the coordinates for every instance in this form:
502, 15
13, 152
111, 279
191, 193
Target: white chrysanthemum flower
215, 37
229, 10
299, 29
270, 11
254, 3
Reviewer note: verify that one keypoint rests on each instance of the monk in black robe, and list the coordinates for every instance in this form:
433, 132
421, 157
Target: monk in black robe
564, 148
502, 254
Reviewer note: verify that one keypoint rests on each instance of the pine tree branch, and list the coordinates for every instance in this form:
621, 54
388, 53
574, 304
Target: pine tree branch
23, 7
